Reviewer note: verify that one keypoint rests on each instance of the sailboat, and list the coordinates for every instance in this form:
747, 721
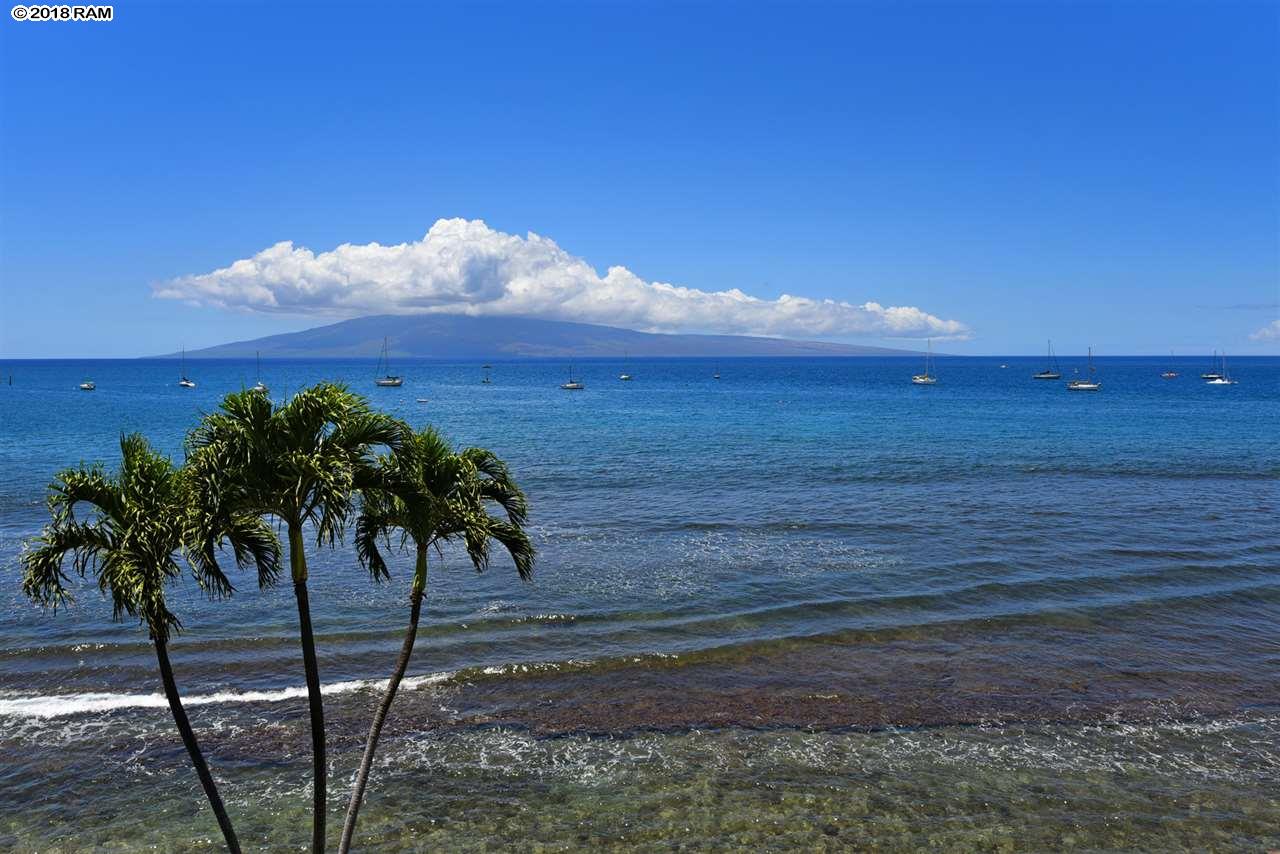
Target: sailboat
716, 375
260, 387
624, 376
572, 384
1051, 370
1212, 373
1170, 374
928, 377
87, 385
485, 379
1223, 378
388, 379
184, 382
1086, 385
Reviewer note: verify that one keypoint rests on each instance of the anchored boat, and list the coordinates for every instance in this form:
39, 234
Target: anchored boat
388, 379
184, 381
572, 384
1222, 377
1051, 370
1212, 373
1089, 384
260, 387
928, 377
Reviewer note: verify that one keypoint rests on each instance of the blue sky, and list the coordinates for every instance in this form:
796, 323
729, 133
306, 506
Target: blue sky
1099, 174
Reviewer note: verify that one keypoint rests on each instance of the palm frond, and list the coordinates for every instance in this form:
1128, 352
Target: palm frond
83, 485
129, 544
44, 580
515, 540
435, 496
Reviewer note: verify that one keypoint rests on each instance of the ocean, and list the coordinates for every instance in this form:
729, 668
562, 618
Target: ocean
808, 605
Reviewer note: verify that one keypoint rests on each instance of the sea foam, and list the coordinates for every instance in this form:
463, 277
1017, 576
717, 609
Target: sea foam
61, 705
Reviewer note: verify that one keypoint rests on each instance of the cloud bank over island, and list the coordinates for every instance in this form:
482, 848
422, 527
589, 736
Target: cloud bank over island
465, 267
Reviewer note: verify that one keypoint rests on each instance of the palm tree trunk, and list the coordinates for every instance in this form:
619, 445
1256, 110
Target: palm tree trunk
298, 564
416, 595
193, 747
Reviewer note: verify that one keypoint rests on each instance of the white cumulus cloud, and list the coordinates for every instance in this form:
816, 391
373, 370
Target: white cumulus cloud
1270, 332
465, 267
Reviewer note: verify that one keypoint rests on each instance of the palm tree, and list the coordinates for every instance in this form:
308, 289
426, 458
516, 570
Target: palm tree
299, 463
430, 496
131, 544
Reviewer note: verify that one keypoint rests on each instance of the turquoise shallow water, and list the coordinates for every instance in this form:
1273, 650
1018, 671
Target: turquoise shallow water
809, 604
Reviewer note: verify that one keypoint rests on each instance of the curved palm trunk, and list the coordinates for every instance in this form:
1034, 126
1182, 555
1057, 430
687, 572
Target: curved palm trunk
380, 716
298, 564
193, 747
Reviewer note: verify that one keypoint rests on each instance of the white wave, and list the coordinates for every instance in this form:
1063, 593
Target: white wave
61, 705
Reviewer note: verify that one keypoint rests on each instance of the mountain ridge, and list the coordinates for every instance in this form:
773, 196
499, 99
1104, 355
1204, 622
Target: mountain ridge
465, 336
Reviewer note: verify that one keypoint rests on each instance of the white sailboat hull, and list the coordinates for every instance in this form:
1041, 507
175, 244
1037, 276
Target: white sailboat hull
388, 379
927, 378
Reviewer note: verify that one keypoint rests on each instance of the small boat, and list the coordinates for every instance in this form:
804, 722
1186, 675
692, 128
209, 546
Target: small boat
486, 380
716, 375
87, 385
625, 376
1004, 366
572, 384
1170, 374
1212, 373
421, 399
1051, 370
928, 377
1086, 385
260, 387
184, 381
388, 379
1223, 378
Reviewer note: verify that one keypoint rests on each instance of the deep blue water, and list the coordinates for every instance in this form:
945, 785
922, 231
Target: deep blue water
805, 543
